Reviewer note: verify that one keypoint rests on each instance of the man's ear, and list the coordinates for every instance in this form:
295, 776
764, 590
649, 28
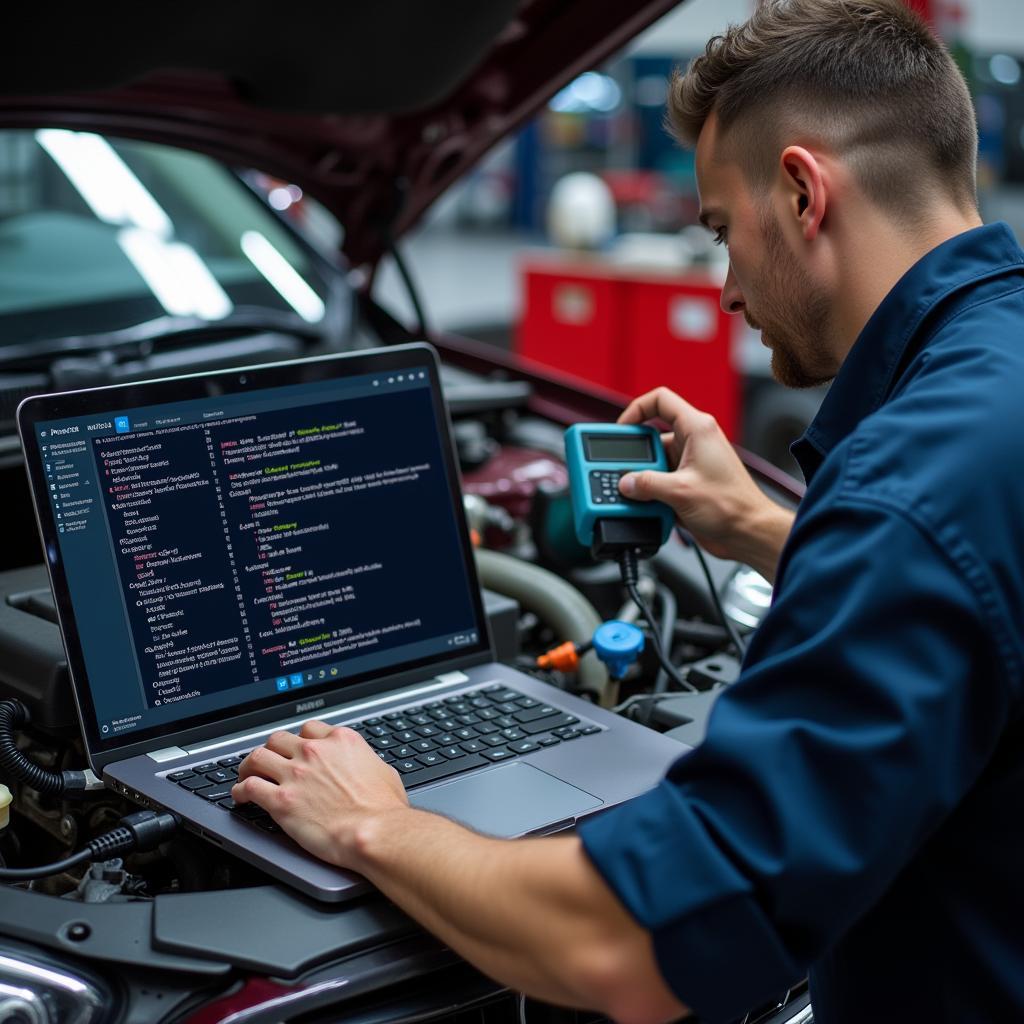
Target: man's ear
805, 190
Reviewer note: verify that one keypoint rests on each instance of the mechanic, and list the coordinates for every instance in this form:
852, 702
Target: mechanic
856, 809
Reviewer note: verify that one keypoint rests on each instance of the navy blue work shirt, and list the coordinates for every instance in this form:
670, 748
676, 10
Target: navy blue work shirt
857, 808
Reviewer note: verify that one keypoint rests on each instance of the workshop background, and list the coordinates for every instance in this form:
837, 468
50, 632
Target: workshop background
608, 277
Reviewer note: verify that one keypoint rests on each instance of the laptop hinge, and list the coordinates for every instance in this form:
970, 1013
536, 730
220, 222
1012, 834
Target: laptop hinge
166, 754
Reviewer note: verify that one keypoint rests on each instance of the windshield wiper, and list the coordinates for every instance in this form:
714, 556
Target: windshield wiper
140, 340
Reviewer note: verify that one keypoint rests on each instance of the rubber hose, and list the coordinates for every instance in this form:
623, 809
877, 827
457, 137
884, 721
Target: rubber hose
14, 765
558, 603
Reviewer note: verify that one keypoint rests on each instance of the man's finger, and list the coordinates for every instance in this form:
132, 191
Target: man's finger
661, 403
263, 762
648, 485
314, 730
255, 790
286, 744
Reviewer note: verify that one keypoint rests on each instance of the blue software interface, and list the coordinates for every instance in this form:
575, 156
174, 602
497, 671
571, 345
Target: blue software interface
220, 551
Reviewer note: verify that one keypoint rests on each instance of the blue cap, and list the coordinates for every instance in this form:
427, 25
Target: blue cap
618, 644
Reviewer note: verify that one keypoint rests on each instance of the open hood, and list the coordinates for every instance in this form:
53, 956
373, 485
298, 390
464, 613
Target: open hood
374, 107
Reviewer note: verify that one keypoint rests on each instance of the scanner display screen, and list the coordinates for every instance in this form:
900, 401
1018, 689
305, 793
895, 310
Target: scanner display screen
618, 448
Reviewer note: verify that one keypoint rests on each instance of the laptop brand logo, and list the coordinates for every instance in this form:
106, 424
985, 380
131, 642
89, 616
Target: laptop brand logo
309, 705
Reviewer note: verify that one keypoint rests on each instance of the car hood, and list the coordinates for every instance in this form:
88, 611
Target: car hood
373, 108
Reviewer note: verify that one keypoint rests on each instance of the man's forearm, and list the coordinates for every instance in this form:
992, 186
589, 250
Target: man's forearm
533, 914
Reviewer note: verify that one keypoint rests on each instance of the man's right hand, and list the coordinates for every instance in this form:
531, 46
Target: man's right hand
710, 490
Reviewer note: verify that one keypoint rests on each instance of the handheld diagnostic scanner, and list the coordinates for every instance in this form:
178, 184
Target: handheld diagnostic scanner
598, 455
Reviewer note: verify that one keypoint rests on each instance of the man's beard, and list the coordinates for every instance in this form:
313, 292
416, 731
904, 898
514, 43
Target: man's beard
792, 314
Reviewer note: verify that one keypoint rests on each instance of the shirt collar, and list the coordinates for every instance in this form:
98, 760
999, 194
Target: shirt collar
870, 370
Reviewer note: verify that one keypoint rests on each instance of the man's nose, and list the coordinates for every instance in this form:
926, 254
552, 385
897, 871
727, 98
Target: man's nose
732, 298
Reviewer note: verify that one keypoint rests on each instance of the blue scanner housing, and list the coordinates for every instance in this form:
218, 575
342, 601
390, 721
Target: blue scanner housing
597, 455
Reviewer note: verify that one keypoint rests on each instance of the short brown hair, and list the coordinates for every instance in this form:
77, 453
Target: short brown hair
866, 77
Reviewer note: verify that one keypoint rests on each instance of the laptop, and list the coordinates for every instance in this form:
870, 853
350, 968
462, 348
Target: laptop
237, 552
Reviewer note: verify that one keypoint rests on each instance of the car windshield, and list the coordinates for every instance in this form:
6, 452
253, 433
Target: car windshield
100, 234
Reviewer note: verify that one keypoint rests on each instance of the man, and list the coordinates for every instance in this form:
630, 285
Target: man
857, 809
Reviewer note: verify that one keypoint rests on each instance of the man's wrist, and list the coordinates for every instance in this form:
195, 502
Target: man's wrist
365, 844
762, 536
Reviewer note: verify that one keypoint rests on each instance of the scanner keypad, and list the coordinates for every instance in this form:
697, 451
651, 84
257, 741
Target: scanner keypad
604, 486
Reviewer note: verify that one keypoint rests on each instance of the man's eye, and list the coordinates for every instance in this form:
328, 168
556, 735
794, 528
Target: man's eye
721, 237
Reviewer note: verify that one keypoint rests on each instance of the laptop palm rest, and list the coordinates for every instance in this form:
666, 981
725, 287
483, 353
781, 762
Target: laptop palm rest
506, 801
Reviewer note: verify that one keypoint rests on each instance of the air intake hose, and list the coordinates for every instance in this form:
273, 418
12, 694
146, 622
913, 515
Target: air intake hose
16, 767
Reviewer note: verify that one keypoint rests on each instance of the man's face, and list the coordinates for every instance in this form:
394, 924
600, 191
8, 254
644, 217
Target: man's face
767, 282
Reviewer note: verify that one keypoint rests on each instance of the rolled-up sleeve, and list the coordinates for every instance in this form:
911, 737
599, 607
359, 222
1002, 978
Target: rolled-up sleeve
870, 701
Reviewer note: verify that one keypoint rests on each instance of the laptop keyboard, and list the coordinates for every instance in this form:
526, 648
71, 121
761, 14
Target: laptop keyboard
423, 743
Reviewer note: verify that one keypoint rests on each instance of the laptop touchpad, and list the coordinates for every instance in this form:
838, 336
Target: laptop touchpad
506, 801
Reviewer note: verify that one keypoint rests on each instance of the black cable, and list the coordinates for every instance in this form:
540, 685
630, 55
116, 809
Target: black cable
669, 607
141, 830
630, 572
16, 767
730, 627
701, 634
410, 287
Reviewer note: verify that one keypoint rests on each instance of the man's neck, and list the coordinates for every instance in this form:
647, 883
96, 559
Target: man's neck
877, 253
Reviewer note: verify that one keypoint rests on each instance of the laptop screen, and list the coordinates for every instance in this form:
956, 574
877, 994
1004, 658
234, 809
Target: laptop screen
227, 552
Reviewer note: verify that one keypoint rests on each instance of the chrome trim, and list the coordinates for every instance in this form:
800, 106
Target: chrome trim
280, 1002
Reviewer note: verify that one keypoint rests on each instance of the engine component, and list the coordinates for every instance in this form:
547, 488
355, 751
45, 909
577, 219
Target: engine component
17, 767
618, 645
104, 882
554, 530
141, 830
491, 525
511, 479
556, 602
475, 448
33, 667
503, 619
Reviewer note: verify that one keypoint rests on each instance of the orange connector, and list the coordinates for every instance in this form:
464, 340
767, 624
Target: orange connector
564, 658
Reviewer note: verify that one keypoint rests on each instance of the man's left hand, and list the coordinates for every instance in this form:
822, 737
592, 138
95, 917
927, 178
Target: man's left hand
320, 786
